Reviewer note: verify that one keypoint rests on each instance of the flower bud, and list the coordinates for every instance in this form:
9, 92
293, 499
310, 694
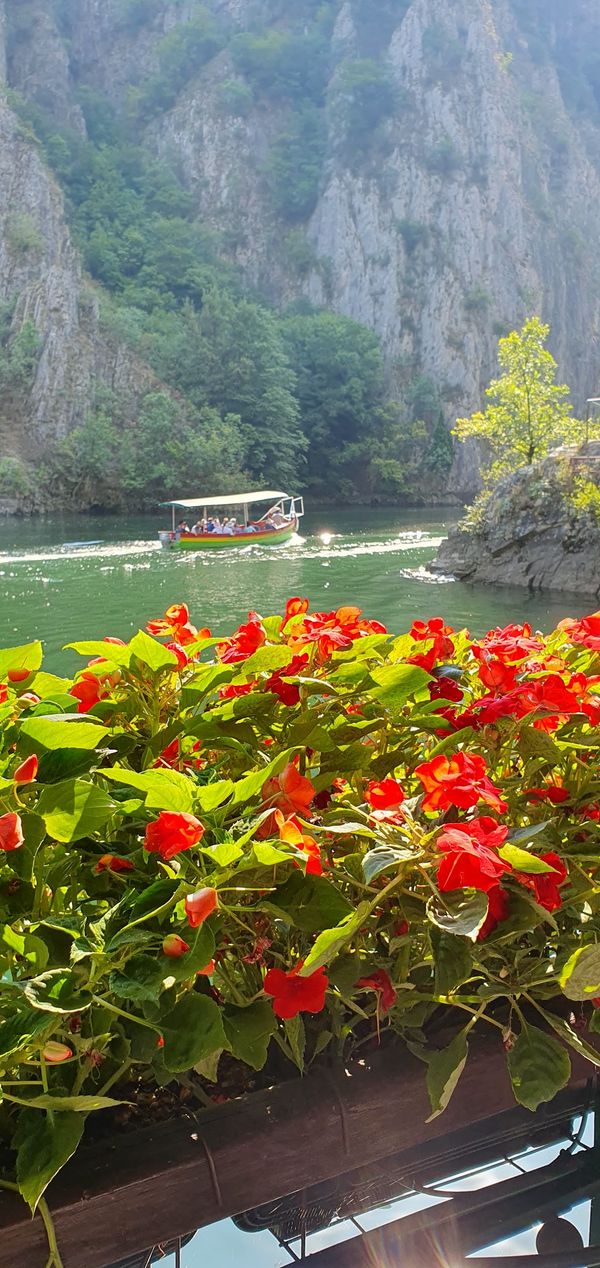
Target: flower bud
27, 771
174, 946
199, 906
54, 1053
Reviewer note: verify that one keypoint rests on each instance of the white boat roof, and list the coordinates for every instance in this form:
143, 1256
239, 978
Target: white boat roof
232, 499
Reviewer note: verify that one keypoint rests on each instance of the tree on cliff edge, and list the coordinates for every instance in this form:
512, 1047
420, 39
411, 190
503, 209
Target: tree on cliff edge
529, 413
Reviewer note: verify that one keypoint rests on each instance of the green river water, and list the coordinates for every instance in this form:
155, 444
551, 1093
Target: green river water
55, 588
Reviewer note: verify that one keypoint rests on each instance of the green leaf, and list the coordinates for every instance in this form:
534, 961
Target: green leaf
44, 1149
266, 658
249, 1032
76, 1104
56, 992
74, 809
224, 854
21, 1030
210, 796
384, 859
580, 978
58, 733
330, 942
453, 961
151, 653
163, 789
140, 980
209, 1068
522, 861
532, 830
295, 1034
26, 656
444, 1071
538, 1066
200, 954
398, 683
111, 652
459, 913
192, 1031
570, 1036
65, 763
311, 902
246, 788
534, 743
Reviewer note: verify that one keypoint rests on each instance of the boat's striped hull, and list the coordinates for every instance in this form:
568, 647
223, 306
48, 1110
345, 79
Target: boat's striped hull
218, 541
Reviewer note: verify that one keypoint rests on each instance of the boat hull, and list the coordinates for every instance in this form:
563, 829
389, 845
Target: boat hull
219, 541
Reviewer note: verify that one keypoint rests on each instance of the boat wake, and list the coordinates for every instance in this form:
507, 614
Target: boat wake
71, 550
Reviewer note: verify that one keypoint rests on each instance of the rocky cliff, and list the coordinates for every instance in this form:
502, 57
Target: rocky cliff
540, 529
466, 203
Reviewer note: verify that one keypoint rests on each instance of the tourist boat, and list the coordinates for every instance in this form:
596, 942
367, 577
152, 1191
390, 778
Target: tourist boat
276, 526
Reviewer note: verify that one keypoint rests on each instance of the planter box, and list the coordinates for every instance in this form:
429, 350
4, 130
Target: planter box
156, 1184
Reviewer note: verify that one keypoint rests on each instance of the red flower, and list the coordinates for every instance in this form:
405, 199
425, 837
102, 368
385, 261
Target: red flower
386, 795
11, 832
199, 906
470, 854
18, 675
585, 632
290, 830
3, 692
437, 630
112, 863
233, 692
551, 694
88, 691
380, 982
546, 885
498, 907
27, 771
295, 607
180, 654
445, 688
290, 791
550, 792
173, 946
169, 756
292, 994
333, 631
288, 692
171, 833
245, 642
176, 625
497, 676
511, 644
457, 781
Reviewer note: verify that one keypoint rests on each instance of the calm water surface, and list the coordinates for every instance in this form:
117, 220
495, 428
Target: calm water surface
56, 587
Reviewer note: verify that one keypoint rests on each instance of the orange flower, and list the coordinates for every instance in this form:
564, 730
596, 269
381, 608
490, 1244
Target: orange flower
290, 830
295, 607
460, 781
290, 791
54, 1052
112, 863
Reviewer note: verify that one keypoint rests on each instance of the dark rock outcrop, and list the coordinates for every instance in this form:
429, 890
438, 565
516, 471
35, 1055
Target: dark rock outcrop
534, 531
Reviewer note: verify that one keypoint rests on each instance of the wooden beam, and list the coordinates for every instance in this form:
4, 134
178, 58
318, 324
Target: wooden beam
137, 1190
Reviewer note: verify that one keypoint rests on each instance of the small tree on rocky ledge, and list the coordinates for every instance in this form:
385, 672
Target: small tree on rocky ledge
529, 412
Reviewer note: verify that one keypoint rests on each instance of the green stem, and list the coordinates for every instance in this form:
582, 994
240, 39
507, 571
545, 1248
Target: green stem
120, 1012
44, 1074
55, 1260
114, 1078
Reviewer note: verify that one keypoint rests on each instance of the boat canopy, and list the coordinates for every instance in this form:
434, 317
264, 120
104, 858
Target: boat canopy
232, 499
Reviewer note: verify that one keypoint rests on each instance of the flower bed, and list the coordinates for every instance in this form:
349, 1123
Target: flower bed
221, 854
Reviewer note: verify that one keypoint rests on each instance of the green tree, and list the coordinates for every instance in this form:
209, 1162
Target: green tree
295, 164
529, 412
362, 95
341, 391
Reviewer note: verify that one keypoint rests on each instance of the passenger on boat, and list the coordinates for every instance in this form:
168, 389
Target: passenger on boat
228, 528
182, 527
210, 525
198, 528
278, 518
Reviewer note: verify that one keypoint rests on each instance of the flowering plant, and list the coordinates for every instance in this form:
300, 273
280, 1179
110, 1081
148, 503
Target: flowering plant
295, 839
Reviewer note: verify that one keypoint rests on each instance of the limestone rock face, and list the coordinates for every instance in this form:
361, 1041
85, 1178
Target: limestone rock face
530, 534
475, 206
